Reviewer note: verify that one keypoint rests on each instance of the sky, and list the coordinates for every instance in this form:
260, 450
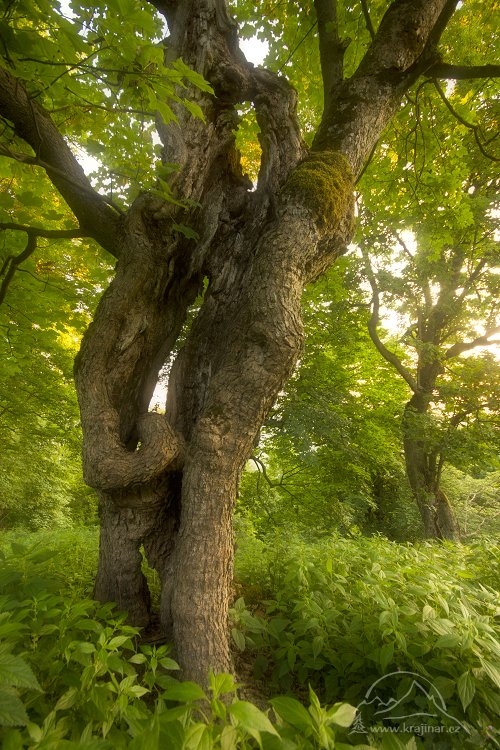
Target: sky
254, 50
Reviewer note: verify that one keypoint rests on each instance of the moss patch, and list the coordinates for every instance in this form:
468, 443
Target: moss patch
324, 183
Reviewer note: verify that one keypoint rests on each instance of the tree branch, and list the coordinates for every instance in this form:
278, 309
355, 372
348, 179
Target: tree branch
405, 247
299, 43
472, 278
33, 161
389, 356
35, 126
402, 49
464, 346
469, 125
41, 232
161, 449
368, 20
11, 264
331, 48
263, 471
463, 72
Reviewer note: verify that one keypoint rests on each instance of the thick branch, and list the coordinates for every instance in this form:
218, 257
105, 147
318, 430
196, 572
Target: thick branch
389, 356
33, 161
463, 72
401, 50
108, 465
465, 346
34, 125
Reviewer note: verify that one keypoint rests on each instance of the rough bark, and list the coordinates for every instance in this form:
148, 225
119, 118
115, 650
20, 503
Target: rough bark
169, 482
424, 473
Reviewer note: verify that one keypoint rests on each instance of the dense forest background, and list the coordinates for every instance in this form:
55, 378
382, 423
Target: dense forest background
340, 578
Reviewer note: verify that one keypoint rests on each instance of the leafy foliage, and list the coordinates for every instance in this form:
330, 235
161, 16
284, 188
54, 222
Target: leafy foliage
340, 614
47, 307
73, 674
331, 447
90, 63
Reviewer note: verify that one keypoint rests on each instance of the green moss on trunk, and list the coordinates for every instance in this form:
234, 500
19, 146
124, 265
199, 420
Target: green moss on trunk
324, 183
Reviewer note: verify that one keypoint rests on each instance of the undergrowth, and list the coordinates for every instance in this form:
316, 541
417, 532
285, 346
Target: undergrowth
334, 621
340, 614
74, 675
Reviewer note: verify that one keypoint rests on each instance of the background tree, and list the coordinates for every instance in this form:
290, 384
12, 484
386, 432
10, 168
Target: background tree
100, 80
436, 270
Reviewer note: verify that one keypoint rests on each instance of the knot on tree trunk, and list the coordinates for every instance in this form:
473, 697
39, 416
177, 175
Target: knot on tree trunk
108, 465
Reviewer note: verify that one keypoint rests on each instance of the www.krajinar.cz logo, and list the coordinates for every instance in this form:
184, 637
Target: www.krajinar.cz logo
404, 702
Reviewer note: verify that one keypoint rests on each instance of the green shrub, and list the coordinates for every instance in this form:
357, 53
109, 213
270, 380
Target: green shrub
72, 560
340, 614
74, 675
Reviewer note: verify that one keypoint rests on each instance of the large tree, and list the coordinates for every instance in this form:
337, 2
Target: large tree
169, 481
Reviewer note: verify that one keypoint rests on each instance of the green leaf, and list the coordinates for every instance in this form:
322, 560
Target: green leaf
12, 710
184, 692
466, 689
138, 690
196, 737
118, 641
195, 109
492, 671
293, 712
251, 719
448, 641
67, 700
168, 663
15, 671
228, 738
341, 714
238, 638
222, 683
13, 740
386, 655
428, 613
186, 231
167, 115
138, 659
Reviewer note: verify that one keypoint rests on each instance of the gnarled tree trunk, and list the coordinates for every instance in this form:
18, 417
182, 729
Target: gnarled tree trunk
169, 481
257, 249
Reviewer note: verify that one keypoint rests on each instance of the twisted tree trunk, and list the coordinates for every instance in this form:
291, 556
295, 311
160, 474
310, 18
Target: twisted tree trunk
169, 481
257, 249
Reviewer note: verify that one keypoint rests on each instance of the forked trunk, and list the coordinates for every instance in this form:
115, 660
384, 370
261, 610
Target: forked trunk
169, 481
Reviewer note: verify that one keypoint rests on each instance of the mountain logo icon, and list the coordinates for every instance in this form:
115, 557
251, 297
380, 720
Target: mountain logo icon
419, 702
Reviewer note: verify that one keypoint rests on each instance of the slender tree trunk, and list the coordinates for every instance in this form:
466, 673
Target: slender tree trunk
438, 519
